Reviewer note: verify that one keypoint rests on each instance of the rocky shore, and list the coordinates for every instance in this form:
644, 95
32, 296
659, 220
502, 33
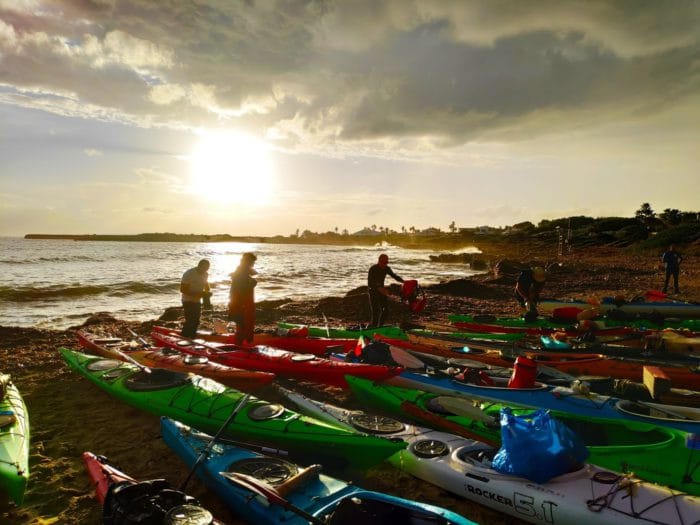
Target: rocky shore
69, 415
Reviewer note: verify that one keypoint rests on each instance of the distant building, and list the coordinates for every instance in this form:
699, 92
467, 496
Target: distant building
367, 231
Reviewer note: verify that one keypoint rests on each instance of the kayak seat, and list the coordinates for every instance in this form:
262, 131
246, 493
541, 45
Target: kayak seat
478, 454
355, 510
264, 411
158, 379
100, 365
269, 470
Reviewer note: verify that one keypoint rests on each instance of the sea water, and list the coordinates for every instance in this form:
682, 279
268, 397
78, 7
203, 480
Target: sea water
60, 283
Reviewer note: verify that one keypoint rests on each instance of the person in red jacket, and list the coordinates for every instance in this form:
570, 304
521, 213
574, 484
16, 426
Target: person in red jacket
241, 306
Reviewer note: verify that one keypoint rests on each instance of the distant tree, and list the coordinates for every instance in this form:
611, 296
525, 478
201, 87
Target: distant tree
645, 213
403, 229
671, 216
374, 227
336, 229
690, 216
523, 226
452, 227
345, 231
297, 233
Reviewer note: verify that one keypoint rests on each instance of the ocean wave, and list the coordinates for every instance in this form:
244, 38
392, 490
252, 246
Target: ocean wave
57, 259
26, 294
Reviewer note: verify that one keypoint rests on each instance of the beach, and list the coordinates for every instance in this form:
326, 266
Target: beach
69, 415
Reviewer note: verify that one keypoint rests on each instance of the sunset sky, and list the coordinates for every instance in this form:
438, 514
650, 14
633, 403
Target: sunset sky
264, 117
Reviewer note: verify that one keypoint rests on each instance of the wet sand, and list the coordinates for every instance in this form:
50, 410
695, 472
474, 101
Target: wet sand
69, 415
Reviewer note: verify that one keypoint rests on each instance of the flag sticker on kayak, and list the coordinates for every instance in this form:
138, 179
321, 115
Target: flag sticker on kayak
692, 441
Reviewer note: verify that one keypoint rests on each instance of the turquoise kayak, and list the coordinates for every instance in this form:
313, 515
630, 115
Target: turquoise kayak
238, 475
14, 441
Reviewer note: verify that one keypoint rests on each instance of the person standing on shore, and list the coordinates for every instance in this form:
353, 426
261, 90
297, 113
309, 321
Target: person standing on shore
241, 306
672, 261
193, 286
528, 288
377, 292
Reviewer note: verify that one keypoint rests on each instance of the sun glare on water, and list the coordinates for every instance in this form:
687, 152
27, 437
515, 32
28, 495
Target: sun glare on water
232, 168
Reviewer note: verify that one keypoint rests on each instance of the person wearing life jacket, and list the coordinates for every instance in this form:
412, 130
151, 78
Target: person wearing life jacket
193, 287
528, 288
241, 306
378, 293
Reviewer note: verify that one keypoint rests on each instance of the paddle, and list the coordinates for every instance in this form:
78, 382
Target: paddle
270, 494
140, 339
328, 330
404, 358
438, 421
209, 446
131, 360
462, 407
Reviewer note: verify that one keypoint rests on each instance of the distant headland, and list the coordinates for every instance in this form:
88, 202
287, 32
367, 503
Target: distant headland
646, 230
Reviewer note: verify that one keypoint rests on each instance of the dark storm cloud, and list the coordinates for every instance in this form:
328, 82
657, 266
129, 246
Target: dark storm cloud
360, 72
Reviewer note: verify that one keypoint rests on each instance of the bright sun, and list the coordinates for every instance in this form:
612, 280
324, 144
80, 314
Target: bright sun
231, 167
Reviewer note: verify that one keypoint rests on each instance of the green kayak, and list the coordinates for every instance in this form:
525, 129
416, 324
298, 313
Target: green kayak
662, 455
393, 332
465, 337
205, 404
14, 441
541, 322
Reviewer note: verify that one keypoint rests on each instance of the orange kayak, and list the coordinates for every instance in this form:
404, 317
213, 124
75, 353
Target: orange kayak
115, 348
577, 364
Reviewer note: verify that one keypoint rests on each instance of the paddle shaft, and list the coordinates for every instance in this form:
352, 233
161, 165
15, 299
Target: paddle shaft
140, 339
209, 446
271, 495
131, 360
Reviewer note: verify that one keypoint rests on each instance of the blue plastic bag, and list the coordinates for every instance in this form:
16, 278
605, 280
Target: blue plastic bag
537, 446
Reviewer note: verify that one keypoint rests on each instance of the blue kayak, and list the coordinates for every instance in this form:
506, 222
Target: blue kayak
562, 399
262, 489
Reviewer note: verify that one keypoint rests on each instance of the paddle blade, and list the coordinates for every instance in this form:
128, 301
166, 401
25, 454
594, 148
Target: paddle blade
405, 359
256, 486
462, 407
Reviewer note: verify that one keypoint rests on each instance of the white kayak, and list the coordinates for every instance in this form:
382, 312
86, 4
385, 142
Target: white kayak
590, 495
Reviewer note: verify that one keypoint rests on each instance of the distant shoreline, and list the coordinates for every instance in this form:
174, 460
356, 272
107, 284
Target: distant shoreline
403, 240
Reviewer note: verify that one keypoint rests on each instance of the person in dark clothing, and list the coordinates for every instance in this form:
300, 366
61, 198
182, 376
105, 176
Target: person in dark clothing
241, 306
528, 288
377, 292
193, 286
672, 261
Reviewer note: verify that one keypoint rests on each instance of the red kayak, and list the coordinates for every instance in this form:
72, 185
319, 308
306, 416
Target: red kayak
115, 348
155, 500
294, 340
304, 367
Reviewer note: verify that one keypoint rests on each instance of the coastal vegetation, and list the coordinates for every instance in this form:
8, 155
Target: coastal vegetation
646, 230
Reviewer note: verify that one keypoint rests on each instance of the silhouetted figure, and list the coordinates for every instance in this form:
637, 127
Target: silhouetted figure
672, 261
528, 288
193, 286
241, 306
377, 292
